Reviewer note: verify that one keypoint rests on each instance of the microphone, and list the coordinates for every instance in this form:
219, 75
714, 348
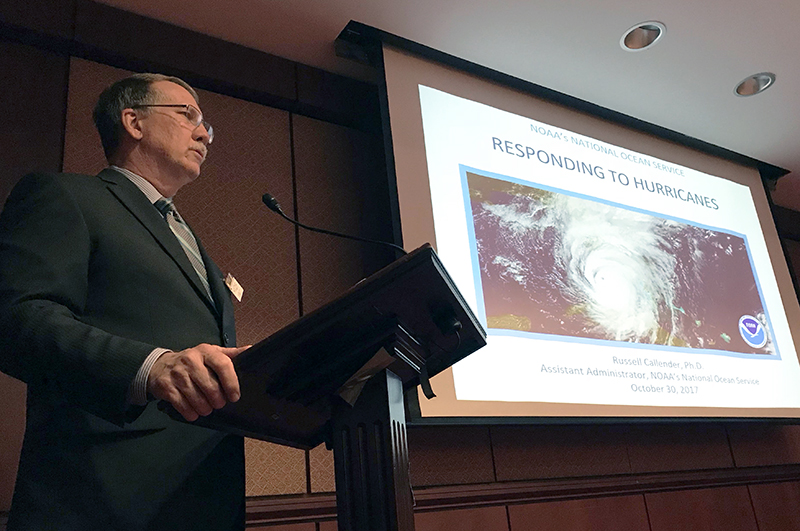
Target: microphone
273, 205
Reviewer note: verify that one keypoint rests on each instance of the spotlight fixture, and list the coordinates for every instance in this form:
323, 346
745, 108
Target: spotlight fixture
755, 84
642, 36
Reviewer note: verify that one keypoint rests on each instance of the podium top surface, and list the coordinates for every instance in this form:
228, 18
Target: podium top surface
288, 378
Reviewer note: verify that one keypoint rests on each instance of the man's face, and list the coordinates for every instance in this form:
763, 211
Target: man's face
170, 142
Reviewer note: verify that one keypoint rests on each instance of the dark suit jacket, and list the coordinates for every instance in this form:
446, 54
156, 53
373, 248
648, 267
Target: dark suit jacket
91, 281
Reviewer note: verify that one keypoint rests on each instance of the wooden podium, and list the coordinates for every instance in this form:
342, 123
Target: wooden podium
339, 373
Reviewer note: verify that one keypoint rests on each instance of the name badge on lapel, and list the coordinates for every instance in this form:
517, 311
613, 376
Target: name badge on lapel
234, 286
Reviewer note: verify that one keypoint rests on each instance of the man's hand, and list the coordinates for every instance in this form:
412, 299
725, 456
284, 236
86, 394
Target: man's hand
197, 380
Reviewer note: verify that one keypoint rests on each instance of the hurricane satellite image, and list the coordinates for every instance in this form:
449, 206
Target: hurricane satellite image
554, 263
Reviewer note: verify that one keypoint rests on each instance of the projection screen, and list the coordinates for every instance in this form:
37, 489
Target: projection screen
617, 274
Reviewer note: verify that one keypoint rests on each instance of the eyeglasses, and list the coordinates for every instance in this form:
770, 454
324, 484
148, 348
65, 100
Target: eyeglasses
191, 113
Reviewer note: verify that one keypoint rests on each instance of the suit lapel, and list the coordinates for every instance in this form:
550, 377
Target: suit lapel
222, 297
137, 203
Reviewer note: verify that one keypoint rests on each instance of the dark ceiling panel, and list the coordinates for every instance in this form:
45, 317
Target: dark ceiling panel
205, 61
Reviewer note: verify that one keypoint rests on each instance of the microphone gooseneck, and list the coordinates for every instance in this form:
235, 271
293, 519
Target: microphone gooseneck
272, 203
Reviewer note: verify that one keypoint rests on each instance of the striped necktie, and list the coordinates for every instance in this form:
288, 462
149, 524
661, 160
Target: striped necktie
186, 239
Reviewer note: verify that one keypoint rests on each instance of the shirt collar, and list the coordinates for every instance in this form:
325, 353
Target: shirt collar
141, 183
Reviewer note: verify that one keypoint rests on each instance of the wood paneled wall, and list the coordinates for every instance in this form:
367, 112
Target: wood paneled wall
313, 139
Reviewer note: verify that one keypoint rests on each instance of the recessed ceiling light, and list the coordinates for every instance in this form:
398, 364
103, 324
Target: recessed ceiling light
755, 84
642, 36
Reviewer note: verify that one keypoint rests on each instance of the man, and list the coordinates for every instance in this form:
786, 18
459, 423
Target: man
108, 304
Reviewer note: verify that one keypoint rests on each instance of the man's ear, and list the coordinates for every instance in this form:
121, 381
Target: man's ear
131, 124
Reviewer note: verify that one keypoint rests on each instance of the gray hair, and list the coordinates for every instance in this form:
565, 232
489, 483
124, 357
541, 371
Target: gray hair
124, 94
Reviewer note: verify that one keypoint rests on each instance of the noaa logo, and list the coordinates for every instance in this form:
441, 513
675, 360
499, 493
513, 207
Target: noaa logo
753, 332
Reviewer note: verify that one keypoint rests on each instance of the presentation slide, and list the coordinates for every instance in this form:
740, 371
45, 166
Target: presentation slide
602, 275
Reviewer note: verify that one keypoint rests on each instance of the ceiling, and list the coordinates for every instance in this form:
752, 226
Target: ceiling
685, 82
